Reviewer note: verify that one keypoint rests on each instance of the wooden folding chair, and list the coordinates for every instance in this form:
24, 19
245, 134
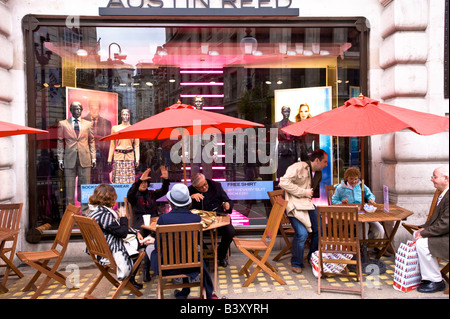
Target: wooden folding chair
412, 228
252, 247
179, 248
330, 189
129, 210
40, 259
9, 222
339, 234
285, 226
98, 248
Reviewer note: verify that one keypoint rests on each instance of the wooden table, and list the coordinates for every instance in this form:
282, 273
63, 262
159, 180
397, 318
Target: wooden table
212, 228
396, 214
5, 234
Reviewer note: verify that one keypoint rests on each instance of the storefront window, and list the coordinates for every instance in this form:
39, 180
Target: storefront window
245, 72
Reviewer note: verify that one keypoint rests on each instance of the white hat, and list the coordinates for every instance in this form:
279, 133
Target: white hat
179, 195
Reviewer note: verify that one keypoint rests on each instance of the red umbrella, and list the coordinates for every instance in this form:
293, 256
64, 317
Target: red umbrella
362, 116
180, 116
10, 129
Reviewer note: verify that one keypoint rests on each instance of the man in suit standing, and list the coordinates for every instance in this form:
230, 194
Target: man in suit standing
76, 150
432, 239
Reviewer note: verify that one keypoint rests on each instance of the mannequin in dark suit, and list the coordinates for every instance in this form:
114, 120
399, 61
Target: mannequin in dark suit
76, 150
432, 239
101, 127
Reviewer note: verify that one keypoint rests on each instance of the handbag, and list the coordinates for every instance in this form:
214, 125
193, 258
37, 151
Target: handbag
131, 244
407, 270
328, 267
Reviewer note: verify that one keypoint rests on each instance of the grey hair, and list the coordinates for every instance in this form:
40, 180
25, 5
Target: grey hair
197, 178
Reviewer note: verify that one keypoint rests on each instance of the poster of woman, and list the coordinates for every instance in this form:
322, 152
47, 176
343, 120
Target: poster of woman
305, 103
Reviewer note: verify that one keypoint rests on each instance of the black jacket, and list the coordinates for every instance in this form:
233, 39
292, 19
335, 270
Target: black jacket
214, 198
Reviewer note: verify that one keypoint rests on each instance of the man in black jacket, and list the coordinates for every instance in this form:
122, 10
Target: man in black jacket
143, 202
209, 195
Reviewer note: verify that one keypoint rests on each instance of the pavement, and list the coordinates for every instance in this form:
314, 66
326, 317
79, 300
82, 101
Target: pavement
82, 272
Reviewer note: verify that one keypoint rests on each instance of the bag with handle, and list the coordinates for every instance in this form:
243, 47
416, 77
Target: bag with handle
407, 271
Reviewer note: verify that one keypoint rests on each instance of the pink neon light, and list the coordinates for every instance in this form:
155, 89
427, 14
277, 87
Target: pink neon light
201, 72
214, 179
220, 96
213, 108
201, 84
214, 167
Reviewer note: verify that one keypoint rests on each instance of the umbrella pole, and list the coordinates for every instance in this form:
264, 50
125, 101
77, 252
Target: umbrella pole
184, 161
361, 142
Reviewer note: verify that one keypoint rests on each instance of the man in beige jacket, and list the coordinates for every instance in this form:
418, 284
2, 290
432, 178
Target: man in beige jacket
301, 183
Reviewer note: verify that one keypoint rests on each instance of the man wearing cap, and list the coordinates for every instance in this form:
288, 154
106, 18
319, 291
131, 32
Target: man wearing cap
180, 201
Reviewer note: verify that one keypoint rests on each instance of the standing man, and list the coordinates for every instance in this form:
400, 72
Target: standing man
301, 183
432, 237
76, 151
209, 195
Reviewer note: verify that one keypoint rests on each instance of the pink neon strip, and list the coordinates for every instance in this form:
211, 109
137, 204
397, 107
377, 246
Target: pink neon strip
201, 84
213, 108
220, 96
214, 179
214, 167
201, 72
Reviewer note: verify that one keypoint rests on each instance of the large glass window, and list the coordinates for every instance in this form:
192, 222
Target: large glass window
254, 73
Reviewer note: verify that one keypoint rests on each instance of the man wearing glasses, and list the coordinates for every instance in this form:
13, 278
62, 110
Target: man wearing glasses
209, 195
432, 238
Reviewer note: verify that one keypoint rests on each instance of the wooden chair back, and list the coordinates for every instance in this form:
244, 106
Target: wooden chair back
412, 228
273, 195
339, 233
98, 247
65, 228
330, 189
9, 220
179, 248
129, 210
274, 221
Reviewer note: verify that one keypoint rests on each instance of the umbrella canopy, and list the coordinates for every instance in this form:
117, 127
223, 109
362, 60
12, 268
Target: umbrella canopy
362, 116
10, 129
161, 125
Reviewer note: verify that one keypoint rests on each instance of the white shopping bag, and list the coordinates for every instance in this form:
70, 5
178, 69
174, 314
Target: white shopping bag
407, 271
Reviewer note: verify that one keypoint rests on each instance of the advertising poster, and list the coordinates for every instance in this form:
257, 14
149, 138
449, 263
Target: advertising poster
303, 102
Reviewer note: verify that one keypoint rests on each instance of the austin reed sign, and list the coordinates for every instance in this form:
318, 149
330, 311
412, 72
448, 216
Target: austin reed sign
200, 8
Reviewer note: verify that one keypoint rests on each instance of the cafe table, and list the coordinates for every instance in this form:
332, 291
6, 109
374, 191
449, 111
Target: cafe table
396, 214
209, 224
5, 234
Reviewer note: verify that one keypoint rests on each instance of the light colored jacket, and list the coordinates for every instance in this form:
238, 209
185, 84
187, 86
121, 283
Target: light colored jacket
353, 195
295, 182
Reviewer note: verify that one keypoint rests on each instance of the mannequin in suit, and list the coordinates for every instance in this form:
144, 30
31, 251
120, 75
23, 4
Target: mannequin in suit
101, 127
432, 237
76, 150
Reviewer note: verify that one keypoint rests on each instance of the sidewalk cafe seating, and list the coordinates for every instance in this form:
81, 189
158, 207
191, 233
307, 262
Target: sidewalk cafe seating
339, 234
252, 247
98, 247
180, 249
9, 226
40, 259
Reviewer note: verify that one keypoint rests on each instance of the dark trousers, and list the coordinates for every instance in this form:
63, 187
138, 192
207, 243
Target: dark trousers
227, 233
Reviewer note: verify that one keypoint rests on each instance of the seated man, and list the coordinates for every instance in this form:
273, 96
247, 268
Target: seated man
209, 195
432, 237
143, 202
180, 202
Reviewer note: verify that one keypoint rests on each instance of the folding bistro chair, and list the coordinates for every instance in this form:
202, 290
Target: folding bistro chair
330, 189
339, 234
412, 228
9, 223
252, 247
98, 247
285, 226
129, 210
40, 259
179, 248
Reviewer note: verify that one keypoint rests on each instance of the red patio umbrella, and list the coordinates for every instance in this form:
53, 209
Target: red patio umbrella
10, 129
180, 116
362, 116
